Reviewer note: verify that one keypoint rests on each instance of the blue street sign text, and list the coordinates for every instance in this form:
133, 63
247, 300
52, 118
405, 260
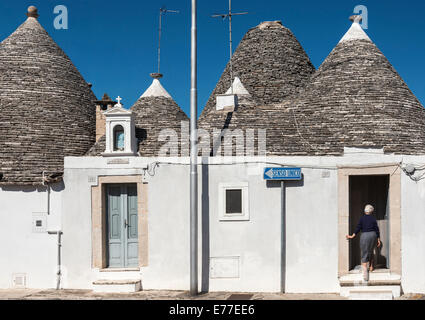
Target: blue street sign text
282, 174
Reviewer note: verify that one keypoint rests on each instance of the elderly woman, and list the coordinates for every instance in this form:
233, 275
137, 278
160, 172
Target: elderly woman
369, 238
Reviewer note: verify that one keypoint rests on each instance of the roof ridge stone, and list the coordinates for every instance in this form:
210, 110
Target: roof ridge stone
156, 90
238, 88
355, 32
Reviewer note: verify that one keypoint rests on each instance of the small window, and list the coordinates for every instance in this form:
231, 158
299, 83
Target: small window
119, 138
233, 201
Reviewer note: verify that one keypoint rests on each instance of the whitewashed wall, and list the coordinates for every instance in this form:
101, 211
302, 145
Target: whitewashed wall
168, 229
76, 239
311, 226
312, 217
255, 243
168, 221
22, 251
311, 257
413, 231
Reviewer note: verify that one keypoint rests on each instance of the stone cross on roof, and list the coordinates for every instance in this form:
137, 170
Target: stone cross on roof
119, 101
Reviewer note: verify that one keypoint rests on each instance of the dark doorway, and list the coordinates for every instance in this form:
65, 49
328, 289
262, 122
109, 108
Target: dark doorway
370, 190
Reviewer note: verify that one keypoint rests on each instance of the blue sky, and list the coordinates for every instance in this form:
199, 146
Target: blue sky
114, 43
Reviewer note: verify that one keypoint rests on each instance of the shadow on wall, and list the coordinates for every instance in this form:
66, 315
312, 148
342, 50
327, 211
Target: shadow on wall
205, 228
56, 187
288, 184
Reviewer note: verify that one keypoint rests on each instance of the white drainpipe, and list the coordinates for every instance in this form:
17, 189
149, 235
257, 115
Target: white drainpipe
59, 273
58, 232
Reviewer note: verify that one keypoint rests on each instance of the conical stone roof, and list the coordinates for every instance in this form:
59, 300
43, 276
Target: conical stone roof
47, 109
270, 63
154, 112
271, 66
357, 99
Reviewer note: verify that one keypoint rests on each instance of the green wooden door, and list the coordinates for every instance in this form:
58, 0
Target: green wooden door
132, 239
122, 225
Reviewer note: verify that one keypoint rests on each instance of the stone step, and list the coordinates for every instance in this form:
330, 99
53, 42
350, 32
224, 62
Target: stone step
117, 286
368, 291
118, 274
375, 278
371, 295
381, 286
371, 283
359, 269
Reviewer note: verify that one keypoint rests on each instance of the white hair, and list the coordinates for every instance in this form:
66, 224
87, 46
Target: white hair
369, 208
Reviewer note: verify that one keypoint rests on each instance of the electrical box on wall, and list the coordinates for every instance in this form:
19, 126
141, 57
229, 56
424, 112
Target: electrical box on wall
19, 280
39, 222
224, 267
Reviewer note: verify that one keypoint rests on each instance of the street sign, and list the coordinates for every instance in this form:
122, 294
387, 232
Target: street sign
282, 173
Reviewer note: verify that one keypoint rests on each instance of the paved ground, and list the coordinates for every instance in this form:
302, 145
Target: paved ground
33, 294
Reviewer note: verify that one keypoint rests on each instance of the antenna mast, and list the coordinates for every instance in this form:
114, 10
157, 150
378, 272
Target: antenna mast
224, 17
162, 12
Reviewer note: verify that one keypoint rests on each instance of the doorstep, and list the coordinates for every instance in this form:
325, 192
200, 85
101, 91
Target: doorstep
119, 269
117, 280
117, 286
381, 286
117, 274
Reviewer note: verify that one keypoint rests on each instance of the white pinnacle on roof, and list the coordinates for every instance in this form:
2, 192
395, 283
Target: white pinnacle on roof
238, 88
156, 90
356, 32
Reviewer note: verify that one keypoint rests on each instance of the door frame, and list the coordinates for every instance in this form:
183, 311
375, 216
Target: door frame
354, 218
124, 223
99, 226
394, 198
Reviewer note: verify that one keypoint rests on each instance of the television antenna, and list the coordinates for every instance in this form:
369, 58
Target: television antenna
229, 16
162, 11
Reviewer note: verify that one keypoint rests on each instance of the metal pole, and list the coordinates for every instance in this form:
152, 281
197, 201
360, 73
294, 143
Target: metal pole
193, 158
231, 45
159, 41
283, 236
162, 12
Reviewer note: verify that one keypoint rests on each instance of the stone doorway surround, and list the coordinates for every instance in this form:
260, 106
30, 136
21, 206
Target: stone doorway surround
394, 198
98, 203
